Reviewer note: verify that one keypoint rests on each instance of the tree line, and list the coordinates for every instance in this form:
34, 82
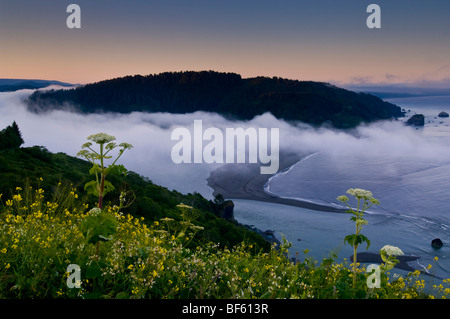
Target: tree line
228, 94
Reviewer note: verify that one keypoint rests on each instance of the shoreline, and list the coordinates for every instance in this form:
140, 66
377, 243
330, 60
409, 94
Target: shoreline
237, 181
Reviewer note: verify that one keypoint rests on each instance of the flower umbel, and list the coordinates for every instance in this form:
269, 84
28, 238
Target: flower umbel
392, 250
101, 138
388, 254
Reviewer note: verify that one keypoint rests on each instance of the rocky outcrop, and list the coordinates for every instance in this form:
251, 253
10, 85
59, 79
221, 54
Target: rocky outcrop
443, 114
416, 120
368, 257
228, 210
437, 243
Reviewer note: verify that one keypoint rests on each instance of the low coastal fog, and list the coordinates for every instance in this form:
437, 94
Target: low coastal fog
64, 131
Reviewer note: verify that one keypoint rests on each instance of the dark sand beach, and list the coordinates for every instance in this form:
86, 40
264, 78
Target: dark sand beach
244, 181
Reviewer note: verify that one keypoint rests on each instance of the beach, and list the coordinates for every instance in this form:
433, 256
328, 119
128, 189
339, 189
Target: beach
244, 181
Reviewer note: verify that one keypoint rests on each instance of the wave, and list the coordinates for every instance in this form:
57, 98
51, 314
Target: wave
284, 172
418, 220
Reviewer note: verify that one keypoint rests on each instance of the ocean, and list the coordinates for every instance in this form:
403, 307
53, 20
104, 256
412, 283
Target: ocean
410, 178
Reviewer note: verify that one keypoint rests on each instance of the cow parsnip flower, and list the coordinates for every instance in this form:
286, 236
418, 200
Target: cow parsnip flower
101, 138
360, 193
392, 250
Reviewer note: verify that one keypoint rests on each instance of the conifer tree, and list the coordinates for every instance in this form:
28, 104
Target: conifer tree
11, 137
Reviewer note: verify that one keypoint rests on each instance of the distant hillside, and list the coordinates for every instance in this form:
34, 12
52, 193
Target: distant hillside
225, 93
10, 85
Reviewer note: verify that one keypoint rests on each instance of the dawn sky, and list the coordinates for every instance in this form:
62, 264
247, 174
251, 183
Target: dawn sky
323, 40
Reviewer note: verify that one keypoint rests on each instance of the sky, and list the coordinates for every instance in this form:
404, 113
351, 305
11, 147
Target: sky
323, 40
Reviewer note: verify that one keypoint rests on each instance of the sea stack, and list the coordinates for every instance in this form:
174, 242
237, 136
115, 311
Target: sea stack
437, 243
416, 120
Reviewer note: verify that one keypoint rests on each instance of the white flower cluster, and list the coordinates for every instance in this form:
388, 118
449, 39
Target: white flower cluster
392, 250
101, 138
360, 193
95, 211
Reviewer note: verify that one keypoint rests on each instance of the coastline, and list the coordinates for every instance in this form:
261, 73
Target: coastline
238, 181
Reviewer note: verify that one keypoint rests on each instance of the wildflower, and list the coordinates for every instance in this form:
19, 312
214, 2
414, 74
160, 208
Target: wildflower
392, 250
95, 211
122, 197
184, 206
111, 146
83, 153
9, 202
125, 145
343, 198
360, 222
360, 193
101, 138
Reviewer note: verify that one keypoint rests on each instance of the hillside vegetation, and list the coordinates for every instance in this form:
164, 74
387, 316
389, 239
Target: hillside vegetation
37, 167
228, 94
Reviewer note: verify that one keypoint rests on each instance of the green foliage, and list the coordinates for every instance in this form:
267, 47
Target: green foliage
225, 93
10, 137
140, 260
98, 226
356, 240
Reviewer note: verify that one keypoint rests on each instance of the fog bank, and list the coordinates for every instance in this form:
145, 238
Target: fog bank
150, 134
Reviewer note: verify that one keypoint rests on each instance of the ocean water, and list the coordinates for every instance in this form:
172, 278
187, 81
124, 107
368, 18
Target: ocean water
407, 169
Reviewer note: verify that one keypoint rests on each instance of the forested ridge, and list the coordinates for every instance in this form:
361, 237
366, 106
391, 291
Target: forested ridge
228, 94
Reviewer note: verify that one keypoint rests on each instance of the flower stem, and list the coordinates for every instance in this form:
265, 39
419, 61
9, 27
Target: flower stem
100, 193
